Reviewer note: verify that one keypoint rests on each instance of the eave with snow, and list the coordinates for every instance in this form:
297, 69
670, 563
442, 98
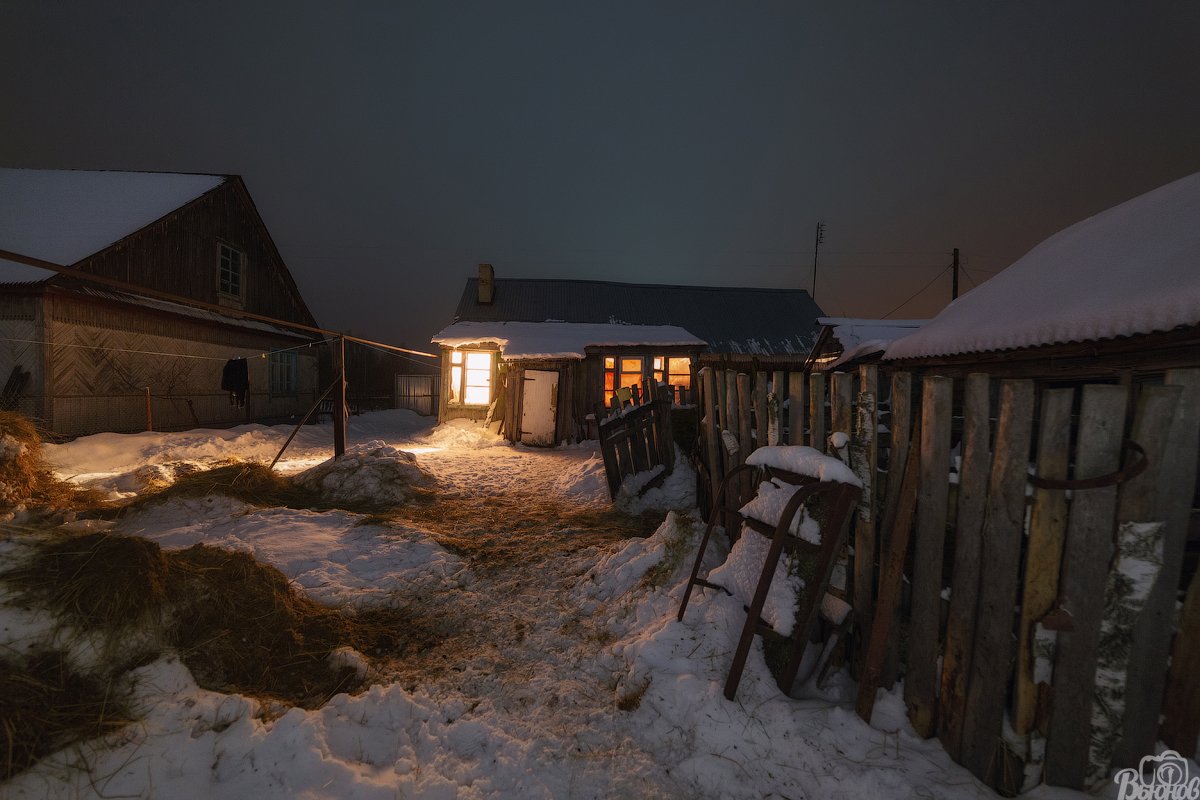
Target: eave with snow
79, 356
1116, 295
845, 342
535, 357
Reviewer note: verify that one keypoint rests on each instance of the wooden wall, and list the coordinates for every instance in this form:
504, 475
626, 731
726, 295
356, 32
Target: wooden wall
179, 254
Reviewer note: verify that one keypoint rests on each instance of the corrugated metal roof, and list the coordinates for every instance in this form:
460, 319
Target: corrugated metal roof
730, 320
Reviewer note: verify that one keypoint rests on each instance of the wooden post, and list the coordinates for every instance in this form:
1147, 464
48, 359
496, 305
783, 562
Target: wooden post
964, 583
779, 387
730, 421
760, 408
816, 411
149, 413
1182, 707
920, 677
711, 431
1181, 723
1003, 533
795, 395
1086, 556
841, 403
863, 460
901, 426
1140, 499
1047, 529
745, 446
339, 399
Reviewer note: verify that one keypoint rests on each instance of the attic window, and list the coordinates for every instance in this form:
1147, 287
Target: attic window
229, 271
471, 377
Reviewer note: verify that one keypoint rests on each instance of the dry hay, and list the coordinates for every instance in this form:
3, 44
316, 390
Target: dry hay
24, 477
237, 624
498, 531
46, 705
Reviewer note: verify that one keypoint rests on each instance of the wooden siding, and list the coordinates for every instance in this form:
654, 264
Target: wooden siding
21, 333
91, 389
179, 254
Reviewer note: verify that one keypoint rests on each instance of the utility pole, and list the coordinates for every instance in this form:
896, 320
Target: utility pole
816, 251
954, 286
339, 399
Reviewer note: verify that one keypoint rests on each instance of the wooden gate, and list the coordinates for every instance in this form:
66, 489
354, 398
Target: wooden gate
418, 393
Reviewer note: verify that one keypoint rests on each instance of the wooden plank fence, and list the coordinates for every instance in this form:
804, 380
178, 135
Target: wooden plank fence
637, 438
1016, 630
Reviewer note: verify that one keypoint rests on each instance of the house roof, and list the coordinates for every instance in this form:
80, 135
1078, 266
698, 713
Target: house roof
561, 339
1133, 269
729, 320
864, 337
64, 216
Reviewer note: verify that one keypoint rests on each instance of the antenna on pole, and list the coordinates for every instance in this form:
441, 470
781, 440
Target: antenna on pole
820, 237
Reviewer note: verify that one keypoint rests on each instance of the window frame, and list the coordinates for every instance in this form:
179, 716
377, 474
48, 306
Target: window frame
655, 367
224, 248
283, 373
459, 374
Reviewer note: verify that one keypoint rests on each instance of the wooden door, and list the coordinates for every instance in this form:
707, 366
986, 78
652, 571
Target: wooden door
539, 407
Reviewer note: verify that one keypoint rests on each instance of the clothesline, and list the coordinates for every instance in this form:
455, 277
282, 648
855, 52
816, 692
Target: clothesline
159, 353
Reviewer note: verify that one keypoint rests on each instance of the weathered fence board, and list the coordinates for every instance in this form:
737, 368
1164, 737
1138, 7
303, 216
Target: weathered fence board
964, 582
900, 424
760, 409
730, 421
1047, 529
1003, 530
1181, 725
1150, 646
1086, 556
816, 411
1139, 500
920, 678
709, 424
841, 403
795, 417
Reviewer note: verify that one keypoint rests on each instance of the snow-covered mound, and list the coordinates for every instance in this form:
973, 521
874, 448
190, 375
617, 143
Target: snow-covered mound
373, 473
463, 433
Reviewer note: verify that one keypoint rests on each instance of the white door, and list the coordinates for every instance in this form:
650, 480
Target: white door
539, 407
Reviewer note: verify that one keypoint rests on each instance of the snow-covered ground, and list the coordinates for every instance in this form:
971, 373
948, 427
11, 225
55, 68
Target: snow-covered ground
563, 675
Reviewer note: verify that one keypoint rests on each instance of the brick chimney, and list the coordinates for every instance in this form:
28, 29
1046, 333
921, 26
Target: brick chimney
487, 284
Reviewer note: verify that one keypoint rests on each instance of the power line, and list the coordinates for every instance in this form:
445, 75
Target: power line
160, 353
913, 296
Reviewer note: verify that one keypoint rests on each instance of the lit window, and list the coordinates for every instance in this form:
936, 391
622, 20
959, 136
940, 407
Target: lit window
620, 373
471, 377
229, 271
679, 373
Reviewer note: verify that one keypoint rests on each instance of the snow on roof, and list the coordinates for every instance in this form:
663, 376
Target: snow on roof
560, 339
861, 337
64, 216
1132, 269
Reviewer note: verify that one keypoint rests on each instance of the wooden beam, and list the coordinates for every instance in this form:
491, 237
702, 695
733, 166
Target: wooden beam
920, 682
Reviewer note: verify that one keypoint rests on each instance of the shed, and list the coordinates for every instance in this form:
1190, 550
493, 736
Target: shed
536, 355
82, 358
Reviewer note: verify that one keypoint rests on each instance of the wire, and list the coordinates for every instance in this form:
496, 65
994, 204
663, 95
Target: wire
394, 353
157, 352
974, 283
914, 295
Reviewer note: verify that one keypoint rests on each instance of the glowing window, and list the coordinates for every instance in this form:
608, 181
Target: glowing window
471, 377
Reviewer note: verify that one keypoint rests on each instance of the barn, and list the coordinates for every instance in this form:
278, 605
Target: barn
535, 356
81, 358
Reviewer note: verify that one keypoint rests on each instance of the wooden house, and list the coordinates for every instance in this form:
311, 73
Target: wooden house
536, 356
82, 358
1116, 296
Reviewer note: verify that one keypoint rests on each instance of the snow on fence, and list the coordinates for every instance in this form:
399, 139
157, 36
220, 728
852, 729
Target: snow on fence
1069, 505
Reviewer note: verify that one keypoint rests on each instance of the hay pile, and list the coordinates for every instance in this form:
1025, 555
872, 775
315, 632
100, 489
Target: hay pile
235, 623
27, 486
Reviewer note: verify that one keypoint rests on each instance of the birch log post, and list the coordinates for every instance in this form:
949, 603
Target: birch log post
1047, 530
1138, 501
816, 411
712, 447
795, 415
1003, 534
863, 460
973, 474
1086, 556
920, 678
761, 427
1152, 636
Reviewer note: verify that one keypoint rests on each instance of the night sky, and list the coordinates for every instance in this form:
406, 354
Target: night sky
392, 147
